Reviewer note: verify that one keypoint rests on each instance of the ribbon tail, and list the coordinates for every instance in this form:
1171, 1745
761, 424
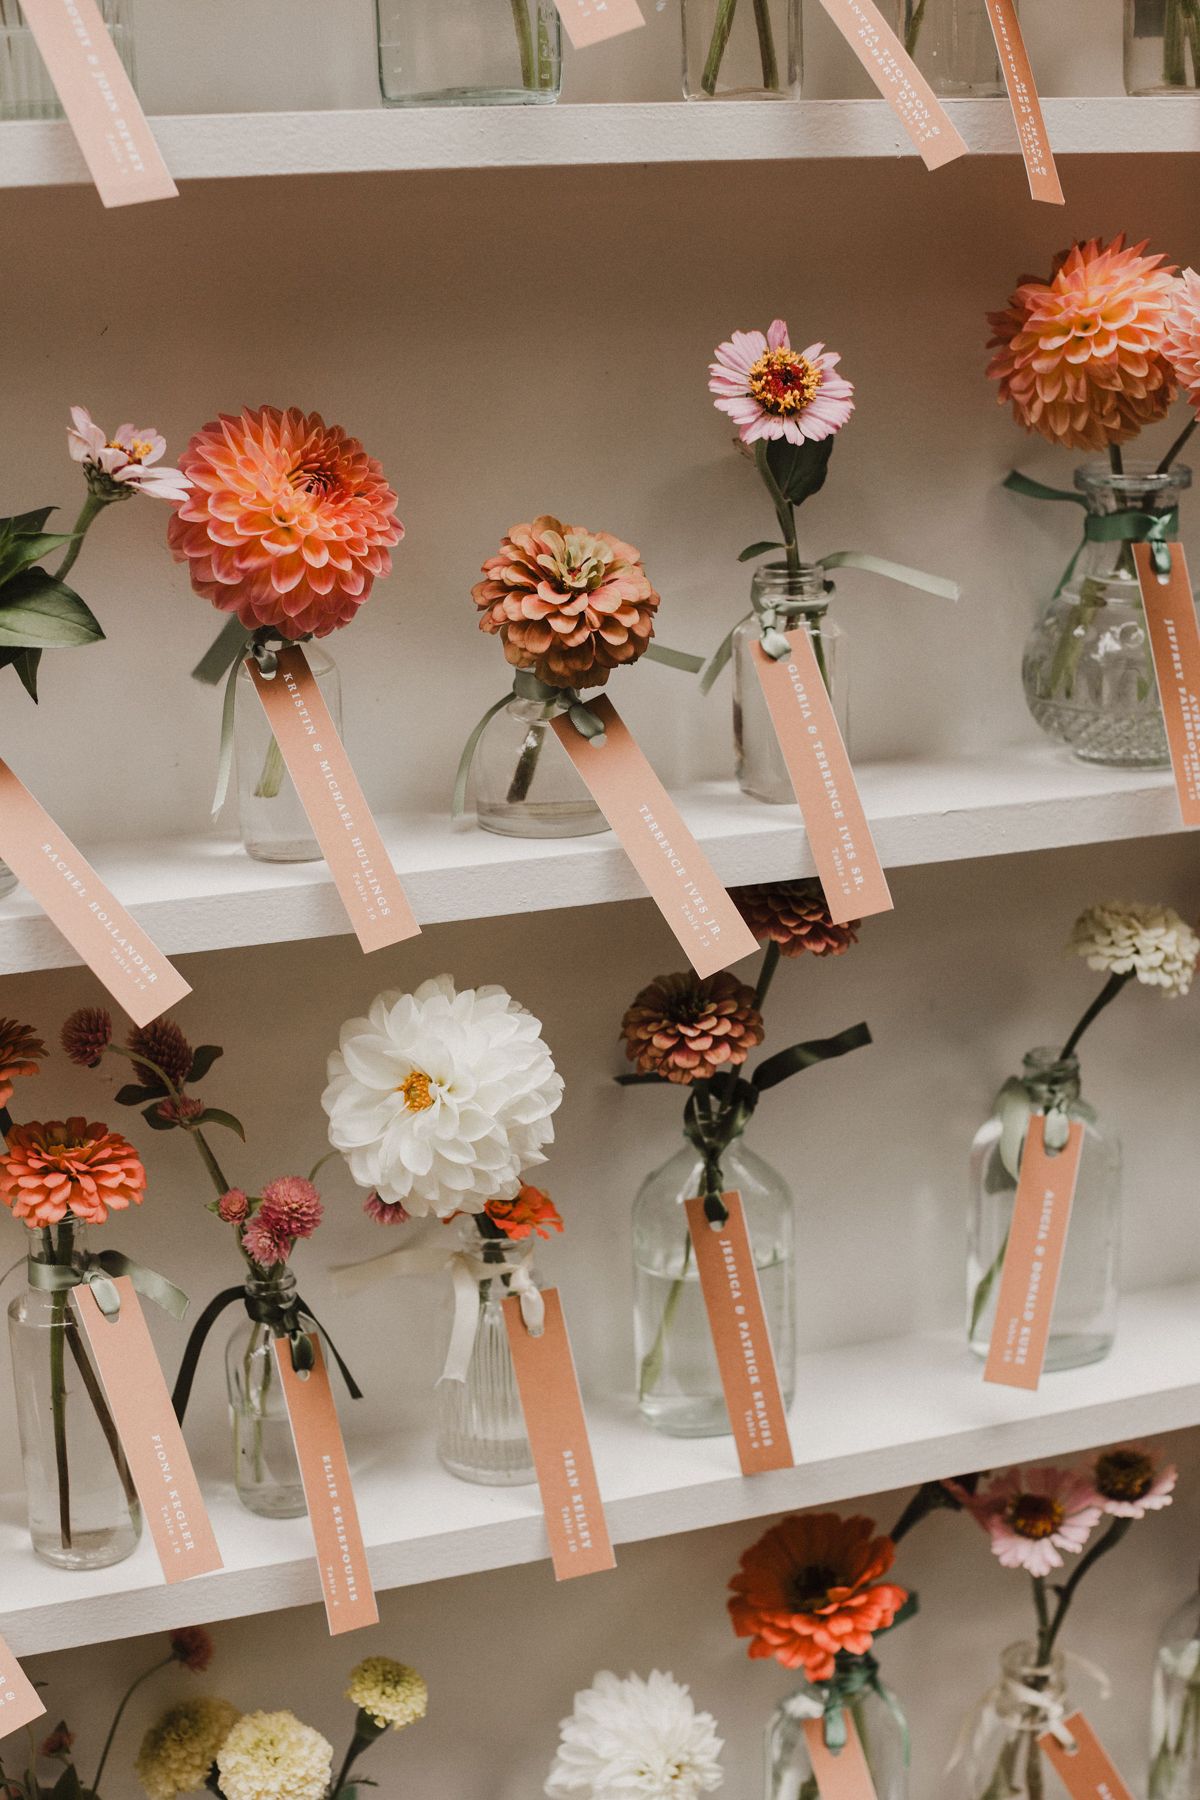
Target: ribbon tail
20, 1263
533, 1307
195, 1344
722, 656
897, 1711
971, 1730
834, 1728
225, 759
674, 659
352, 1387
1016, 483
458, 804
1098, 1675
419, 1259
147, 1282
879, 565
466, 1319
225, 648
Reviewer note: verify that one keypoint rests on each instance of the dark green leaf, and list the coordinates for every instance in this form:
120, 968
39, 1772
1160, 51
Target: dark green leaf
67, 1786
777, 1068
134, 1094
212, 1115
37, 610
754, 550
641, 1080
19, 552
26, 664
911, 1606
203, 1060
155, 1120
799, 469
30, 521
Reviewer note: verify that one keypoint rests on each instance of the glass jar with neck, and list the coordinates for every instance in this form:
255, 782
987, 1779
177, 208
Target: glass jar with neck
1083, 1322
952, 44
83, 1506
1175, 1707
265, 1470
274, 824
26, 90
1003, 1756
793, 599
789, 1769
8, 881
1088, 671
525, 783
481, 1433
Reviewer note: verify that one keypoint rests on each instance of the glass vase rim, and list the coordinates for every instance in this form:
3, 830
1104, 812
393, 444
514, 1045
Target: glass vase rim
1095, 477
1047, 1059
283, 1282
805, 586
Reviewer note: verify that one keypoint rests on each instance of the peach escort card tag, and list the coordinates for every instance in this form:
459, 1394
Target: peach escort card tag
69, 891
844, 1776
150, 1434
1175, 645
658, 843
1026, 107
329, 792
1033, 1258
19, 1703
98, 99
557, 1433
1086, 1772
819, 769
591, 21
733, 1301
898, 79
341, 1555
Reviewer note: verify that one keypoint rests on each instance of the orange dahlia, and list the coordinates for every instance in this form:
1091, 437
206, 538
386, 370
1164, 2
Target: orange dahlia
687, 1029
288, 521
804, 1591
569, 604
19, 1045
66, 1166
1081, 354
529, 1212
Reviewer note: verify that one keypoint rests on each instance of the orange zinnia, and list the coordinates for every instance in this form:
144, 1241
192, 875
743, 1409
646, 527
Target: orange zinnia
804, 1591
70, 1166
521, 1217
18, 1047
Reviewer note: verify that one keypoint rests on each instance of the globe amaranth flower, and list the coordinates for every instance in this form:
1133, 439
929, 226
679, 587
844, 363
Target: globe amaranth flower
794, 915
385, 1212
636, 1740
178, 1752
69, 1165
1032, 1516
272, 1756
1082, 355
390, 1692
770, 390
192, 1646
569, 604
162, 1043
439, 1100
86, 1035
1181, 340
58, 1742
809, 1587
290, 1208
19, 1046
687, 1028
288, 523
124, 463
1132, 1480
531, 1211
233, 1206
1127, 937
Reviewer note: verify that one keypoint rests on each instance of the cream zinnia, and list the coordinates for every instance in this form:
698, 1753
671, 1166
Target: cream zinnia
636, 1740
770, 390
177, 1753
272, 1756
1133, 937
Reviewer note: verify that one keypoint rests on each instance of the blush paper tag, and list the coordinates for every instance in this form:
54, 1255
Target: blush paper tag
733, 1301
844, 1776
1087, 1774
118, 952
658, 843
1175, 645
898, 79
19, 1703
1026, 107
341, 1556
591, 21
557, 1433
1033, 1258
98, 99
329, 792
150, 1435
820, 773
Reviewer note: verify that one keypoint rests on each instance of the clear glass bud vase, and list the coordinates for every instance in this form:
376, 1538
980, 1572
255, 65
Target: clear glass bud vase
481, 1433
525, 783
1162, 46
742, 53
26, 90
8, 881
1083, 1322
265, 1470
789, 1770
469, 52
1003, 1758
952, 44
1175, 1708
275, 826
799, 597
83, 1506
1087, 670
679, 1383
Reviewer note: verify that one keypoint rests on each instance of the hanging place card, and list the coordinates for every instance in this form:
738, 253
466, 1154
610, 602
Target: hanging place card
844, 1776
135, 971
1086, 1772
1033, 1258
738, 1322
898, 79
591, 21
1023, 98
819, 769
341, 1554
657, 842
19, 1703
329, 792
98, 99
1175, 646
557, 1433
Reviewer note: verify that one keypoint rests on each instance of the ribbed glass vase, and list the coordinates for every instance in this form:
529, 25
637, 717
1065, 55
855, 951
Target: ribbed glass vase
1175, 1707
481, 1433
26, 90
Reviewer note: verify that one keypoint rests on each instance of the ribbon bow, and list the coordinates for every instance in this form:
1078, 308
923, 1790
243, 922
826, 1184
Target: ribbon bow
100, 1273
1132, 527
1042, 1712
225, 656
283, 1317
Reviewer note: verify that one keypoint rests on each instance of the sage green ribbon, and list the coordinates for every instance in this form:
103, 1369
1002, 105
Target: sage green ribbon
223, 659
846, 1683
99, 1273
1132, 527
555, 701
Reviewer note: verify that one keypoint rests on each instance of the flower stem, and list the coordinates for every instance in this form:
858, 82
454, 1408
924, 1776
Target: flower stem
1112, 1537
916, 19
112, 1730
716, 49
520, 13
358, 1743
206, 1156
766, 46
527, 762
652, 1362
1115, 462
273, 771
95, 1394
1107, 994
785, 512
1164, 466
91, 506
63, 1249
766, 974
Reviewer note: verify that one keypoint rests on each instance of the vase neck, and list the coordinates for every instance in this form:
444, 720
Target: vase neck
781, 589
63, 1243
1030, 1692
1050, 1080
280, 1285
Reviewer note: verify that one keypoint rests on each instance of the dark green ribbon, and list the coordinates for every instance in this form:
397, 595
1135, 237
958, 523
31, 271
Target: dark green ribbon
1132, 527
99, 1273
846, 1683
284, 1319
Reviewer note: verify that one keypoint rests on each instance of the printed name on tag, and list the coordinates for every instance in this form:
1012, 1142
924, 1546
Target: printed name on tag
98, 99
1175, 645
1033, 1258
898, 79
69, 891
844, 1776
820, 773
341, 1556
19, 1703
329, 792
1087, 1774
1023, 98
591, 21
150, 1435
733, 1301
658, 843
557, 1433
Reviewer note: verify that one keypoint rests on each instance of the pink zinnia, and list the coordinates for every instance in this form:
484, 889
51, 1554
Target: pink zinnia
126, 457
1181, 340
1031, 1517
770, 390
384, 1212
1131, 1481
232, 1206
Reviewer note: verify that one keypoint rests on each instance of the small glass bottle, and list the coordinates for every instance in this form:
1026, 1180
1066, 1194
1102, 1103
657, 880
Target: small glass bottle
679, 1383
755, 53
469, 52
265, 1470
1003, 1757
275, 826
952, 44
1084, 1319
1162, 46
8, 881
525, 783
26, 90
481, 1434
789, 1767
799, 597
83, 1506
1175, 1708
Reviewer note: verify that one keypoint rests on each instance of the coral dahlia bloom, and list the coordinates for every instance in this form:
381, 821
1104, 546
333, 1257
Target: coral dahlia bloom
122, 464
1031, 1516
1181, 341
19, 1045
69, 1166
1131, 1481
686, 1029
808, 1588
794, 915
567, 603
770, 390
1082, 355
529, 1212
288, 523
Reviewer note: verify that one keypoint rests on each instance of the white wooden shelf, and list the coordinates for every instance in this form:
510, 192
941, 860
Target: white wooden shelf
39, 153
866, 1418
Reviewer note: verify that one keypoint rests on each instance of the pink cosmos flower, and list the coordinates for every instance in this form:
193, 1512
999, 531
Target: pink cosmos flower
126, 457
1131, 1481
1181, 340
384, 1212
232, 1206
770, 390
1031, 1516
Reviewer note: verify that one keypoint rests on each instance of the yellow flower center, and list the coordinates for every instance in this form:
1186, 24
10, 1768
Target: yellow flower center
784, 382
137, 452
1035, 1515
415, 1088
1124, 1475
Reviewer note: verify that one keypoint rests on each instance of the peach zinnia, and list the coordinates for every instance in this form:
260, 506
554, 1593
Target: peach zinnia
19, 1045
288, 522
67, 1165
808, 1589
686, 1029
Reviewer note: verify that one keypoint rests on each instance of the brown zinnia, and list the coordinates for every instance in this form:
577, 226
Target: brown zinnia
18, 1046
86, 1035
163, 1043
687, 1029
794, 915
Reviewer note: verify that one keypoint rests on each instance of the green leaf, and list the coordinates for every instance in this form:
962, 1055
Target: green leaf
26, 664
37, 610
67, 1786
21, 524
799, 469
212, 1115
155, 1120
203, 1060
19, 552
754, 550
134, 1094
641, 1080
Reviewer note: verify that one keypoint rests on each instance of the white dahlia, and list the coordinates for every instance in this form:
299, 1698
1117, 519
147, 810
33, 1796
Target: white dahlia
636, 1740
1133, 937
272, 1756
438, 1100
